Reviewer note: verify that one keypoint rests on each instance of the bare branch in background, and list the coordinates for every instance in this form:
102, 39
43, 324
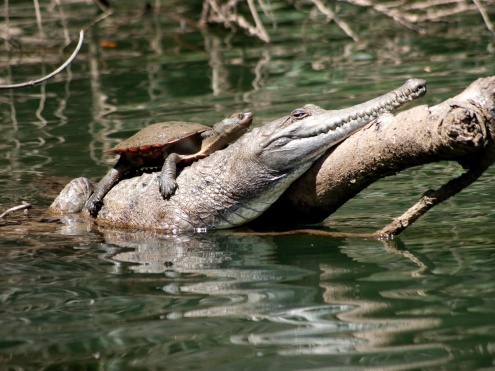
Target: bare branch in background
409, 14
394, 13
227, 14
25, 206
102, 4
50, 75
486, 19
101, 17
332, 17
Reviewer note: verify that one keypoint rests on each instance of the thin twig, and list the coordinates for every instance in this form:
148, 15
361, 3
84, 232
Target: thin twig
228, 16
103, 5
101, 17
38, 19
331, 16
392, 13
486, 19
25, 206
204, 13
7, 39
259, 26
50, 75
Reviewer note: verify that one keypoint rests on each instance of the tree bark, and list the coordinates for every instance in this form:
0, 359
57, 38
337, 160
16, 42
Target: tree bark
459, 129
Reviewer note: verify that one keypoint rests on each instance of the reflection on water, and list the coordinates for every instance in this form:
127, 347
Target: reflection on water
230, 271
219, 299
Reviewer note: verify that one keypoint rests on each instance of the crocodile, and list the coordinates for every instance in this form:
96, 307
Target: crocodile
234, 186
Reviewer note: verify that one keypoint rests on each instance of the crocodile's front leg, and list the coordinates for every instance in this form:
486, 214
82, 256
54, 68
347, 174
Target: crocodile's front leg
95, 202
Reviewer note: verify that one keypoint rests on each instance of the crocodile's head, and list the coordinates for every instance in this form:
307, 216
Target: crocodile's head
300, 138
293, 140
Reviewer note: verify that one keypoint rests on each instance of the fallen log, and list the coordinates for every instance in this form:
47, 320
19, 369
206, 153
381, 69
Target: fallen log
459, 129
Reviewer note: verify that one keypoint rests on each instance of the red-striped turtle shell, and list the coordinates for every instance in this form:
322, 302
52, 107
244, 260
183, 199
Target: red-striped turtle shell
154, 138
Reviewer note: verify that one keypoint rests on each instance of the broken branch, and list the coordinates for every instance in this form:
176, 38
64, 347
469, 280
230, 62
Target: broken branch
50, 75
25, 206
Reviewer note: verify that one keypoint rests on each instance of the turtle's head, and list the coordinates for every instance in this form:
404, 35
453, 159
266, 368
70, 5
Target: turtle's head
231, 128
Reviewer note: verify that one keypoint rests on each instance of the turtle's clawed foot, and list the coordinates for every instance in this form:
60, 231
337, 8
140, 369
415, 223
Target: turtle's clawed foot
94, 205
167, 187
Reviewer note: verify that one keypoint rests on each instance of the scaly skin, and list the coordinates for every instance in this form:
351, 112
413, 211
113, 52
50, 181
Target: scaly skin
167, 144
236, 185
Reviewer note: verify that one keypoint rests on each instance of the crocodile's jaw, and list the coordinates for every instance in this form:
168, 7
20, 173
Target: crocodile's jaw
292, 142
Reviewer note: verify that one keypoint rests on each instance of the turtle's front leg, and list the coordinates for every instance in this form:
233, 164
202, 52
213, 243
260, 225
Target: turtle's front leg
167, 182
95, 202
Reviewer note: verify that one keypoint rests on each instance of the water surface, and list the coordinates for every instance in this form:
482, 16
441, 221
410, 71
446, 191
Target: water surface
229, 300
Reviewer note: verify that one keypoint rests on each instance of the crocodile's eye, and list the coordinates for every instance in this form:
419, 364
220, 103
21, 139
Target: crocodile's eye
299, 113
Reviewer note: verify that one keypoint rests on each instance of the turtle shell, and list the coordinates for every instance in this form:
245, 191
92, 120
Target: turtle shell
159, 135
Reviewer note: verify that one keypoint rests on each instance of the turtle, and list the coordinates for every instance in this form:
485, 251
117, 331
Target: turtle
166, 144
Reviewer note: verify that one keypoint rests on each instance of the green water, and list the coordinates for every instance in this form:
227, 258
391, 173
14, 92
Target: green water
74, 299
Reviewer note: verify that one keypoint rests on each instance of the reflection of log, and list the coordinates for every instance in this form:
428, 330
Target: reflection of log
458, 129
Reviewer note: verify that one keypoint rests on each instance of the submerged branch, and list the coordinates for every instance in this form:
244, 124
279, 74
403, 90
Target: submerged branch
50, 75
25, 206
429, 199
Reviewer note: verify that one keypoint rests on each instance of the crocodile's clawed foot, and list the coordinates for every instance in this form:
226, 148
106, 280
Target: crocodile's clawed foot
94, 205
